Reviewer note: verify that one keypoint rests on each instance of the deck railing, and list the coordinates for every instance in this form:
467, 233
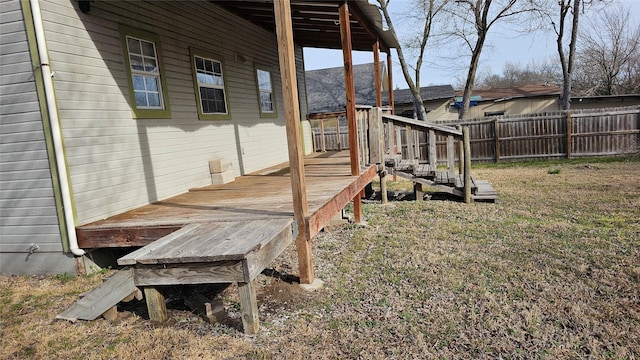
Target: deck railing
401, 132
382, 136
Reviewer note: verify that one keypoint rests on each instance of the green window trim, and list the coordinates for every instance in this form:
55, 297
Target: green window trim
217, 74
260, 71
145, 113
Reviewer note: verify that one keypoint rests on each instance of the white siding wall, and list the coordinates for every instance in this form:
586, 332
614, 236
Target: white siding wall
307, 136
27, 203
119, 163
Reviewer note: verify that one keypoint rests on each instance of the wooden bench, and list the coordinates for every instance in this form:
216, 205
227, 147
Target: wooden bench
218, 252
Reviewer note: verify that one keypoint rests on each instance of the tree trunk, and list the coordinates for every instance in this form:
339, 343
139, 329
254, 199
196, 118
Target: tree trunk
567, 65
413, 86
471, 76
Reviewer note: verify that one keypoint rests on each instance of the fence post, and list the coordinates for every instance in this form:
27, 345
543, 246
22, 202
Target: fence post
569, 135
467, 164
323, 145
496, 133
338, 135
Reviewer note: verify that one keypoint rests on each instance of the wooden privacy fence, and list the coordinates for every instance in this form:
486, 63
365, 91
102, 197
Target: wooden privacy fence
562, 134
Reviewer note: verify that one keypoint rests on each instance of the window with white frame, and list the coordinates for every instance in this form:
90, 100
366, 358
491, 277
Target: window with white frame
265, 92
145, 73
147, 84
210, 83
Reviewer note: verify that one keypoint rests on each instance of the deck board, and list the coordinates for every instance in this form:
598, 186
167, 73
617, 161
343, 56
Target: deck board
261, 195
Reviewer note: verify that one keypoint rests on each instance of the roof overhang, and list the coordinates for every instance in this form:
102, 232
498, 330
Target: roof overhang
317, 23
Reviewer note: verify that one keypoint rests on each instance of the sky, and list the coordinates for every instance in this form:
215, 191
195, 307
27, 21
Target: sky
503, 45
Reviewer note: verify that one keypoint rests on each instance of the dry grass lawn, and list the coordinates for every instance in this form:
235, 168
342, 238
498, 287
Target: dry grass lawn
552, 271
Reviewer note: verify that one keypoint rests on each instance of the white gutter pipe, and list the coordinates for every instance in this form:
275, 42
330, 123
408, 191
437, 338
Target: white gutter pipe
58, 150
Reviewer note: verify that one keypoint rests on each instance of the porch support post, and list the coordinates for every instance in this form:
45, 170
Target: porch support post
286, 55
376, 73
345, 33
390, 79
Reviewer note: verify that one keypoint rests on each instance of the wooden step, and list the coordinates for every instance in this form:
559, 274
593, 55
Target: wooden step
485, 191
102, 299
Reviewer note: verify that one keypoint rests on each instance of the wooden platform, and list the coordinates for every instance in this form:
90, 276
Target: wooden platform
209, 253
262, 195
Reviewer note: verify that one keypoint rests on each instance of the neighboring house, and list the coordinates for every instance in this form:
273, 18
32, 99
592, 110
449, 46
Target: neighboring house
144, 94
326, 90
525, 99
436, 99
604, 101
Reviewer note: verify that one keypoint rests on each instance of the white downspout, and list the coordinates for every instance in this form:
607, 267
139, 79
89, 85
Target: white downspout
58, 150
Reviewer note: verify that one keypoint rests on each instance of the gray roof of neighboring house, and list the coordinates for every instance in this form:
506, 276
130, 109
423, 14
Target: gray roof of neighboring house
522, 91
404, 96
326, 90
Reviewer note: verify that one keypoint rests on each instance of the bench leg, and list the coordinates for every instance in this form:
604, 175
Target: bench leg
155, 304
249, 307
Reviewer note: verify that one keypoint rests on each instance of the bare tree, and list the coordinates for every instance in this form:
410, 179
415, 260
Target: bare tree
567, 14
609, 54
567, 63
536, 72
426, 13
473, 25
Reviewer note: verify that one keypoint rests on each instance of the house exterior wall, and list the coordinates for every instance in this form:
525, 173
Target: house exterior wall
28, 210
307, 139
515, 106
437, 110
116, 162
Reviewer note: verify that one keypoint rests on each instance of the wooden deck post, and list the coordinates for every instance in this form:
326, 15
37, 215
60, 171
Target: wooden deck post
390, 79
155, 304
249, 307
460, 153
286, 55
467, 164
376, 73
349, 84
418, 192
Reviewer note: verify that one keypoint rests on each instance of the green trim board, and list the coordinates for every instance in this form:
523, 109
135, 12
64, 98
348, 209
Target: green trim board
46, 125
141, 113
193, 52
265, 114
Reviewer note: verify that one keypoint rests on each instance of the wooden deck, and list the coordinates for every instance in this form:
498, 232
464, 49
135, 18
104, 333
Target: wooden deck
219, 233
261, 195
